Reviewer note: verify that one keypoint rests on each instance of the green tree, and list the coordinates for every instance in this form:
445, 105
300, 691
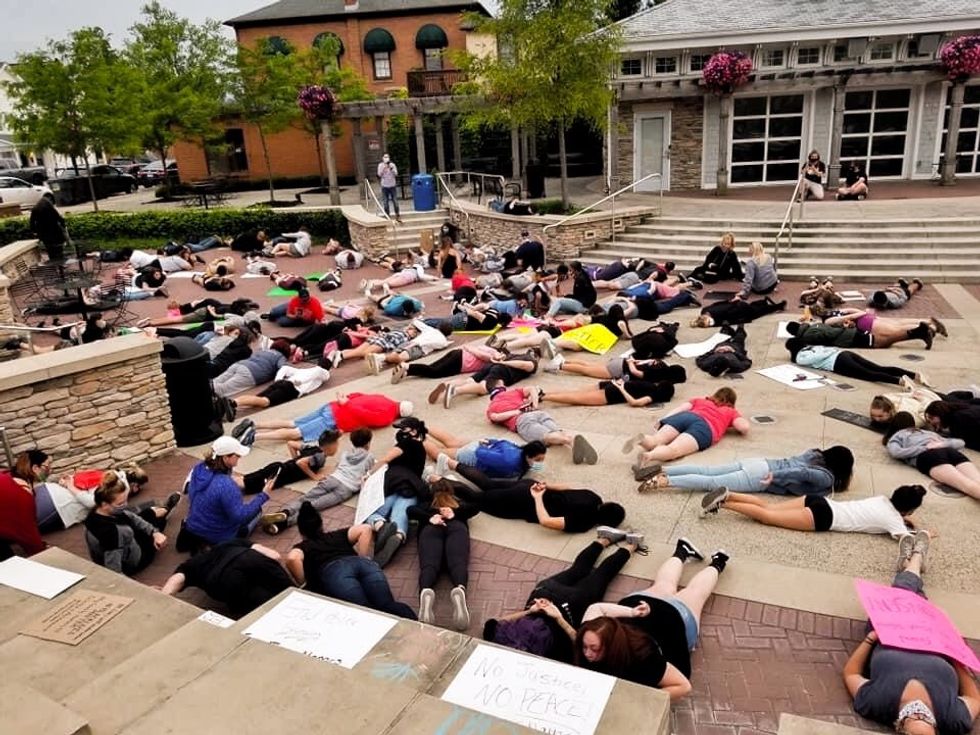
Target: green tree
75, 97
552, 68
266, 81
620, 9
184, 69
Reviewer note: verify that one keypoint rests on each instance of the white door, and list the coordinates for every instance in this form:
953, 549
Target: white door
652, 151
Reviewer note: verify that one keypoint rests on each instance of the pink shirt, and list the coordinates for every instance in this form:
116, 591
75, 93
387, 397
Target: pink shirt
719, 418
662, 291
471, 363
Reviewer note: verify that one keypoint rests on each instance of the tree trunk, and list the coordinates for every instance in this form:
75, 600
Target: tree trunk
331, 162
91, 185
724, 115
167, 187
953, 135
563, 164
268, 164
319, 156
207, 158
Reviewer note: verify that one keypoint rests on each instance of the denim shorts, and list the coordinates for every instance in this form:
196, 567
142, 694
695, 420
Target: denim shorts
690, 622
466, 454
690, 423
314, 424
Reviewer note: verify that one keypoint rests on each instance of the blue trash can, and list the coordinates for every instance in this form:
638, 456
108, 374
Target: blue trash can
424, 192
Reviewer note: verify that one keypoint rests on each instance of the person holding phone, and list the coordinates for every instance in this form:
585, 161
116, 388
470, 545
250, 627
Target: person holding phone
388, 176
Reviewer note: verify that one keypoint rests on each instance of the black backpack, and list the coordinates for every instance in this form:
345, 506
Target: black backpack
657, 341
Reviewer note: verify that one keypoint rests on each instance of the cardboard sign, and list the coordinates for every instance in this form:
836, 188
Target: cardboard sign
904, 620
78, 617
534, 692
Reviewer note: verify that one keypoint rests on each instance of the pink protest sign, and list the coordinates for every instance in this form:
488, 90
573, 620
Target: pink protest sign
904, 620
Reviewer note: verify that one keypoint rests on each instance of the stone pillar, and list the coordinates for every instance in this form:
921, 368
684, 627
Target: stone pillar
420, 143
612, 147
328, 152
836, 131
457, 143
515, 153
724, 116
379, 125
360, 168
440, 143
6, 308
952, 137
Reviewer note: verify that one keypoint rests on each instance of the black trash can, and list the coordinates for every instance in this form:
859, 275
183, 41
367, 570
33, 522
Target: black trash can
535, 180
185, 367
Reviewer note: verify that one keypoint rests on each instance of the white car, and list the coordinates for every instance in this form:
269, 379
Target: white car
18, 191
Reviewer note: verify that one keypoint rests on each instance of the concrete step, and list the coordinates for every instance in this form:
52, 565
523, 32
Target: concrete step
939, 230
918, 251
858, 242
749, 222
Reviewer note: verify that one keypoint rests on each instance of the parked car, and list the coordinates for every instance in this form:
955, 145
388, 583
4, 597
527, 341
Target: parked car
129, 166
71, 187
32, 174
152, 174
18, 191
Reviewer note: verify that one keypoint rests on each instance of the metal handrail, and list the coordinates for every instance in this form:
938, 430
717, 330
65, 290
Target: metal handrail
454, 200
368, 189
474, 175
606, 198
787, 223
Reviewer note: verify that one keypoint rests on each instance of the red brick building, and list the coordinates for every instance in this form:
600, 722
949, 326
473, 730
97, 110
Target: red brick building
391, 44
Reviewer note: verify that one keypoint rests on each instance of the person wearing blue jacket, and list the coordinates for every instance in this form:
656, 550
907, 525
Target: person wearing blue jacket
496, 458
815, 472
217, 512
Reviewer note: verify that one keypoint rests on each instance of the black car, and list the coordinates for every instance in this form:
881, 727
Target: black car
71, 187
152, 174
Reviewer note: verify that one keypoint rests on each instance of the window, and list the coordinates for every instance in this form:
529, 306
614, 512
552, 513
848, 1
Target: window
330, 45
277, 46
631, 68
228, 156
665, 65
881, 52
382, 65
809, 56
698, 61
432, 59
968, 142
767, 135
875, 128
773, 57
840, 53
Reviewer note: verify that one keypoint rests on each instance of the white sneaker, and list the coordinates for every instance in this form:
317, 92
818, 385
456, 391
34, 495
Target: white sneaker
375, 361
461, 614
554, 365
427, 599
447, 399
442, 464
398, 373
548, 348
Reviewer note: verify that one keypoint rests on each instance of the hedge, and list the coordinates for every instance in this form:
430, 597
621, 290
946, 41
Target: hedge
189, 225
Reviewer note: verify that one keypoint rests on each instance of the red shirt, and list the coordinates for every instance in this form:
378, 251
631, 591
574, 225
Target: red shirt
18, 522
719, 418
365, 411
461, 279
310, 310
507, 400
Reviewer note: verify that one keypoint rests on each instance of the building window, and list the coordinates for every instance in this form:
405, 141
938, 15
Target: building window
382, 65
277, 46
840, 53
773, 58
767, 135
665, 65
432, 59
698, 61
968, 142
330, 45
809, 56
228, 156
881, 52
631, 68
875, 127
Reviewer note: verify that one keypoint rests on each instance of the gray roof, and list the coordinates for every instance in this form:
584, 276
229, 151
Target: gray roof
309, 9
724, 17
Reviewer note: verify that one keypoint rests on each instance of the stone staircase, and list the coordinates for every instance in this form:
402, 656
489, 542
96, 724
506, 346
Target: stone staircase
406, 235
936, 250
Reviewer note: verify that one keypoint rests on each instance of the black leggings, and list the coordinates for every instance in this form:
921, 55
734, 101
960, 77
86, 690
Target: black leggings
580, 585
852, 365
444, 547
314, 337
446, 366
192, 332
249, 580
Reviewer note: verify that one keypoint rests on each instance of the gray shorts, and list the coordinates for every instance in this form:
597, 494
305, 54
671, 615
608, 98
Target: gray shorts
628, 280
894, 299
535, 426
233, 380
615, 368
414, 353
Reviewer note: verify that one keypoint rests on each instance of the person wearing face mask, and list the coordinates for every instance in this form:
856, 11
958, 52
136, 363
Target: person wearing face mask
18, 522
813, 172
388, 176
915, 692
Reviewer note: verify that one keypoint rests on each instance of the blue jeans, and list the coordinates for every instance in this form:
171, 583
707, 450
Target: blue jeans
682, 299
277, 314
565, 305
741, 477
394, 509
204, 337
360, 580
205, 244
390, 194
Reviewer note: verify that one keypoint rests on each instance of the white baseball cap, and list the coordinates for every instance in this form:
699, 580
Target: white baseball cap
225, 445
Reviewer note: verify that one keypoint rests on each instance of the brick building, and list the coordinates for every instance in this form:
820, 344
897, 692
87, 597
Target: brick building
392, 44
857, 80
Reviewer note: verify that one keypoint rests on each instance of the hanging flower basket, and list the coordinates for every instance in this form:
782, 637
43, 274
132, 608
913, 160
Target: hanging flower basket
725, 71
960, 58
317, 102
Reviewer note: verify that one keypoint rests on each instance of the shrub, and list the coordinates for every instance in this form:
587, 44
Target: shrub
185, 224
552, 206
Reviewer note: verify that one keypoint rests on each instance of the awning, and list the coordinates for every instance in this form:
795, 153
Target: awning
431, 36
323, 38
378, 40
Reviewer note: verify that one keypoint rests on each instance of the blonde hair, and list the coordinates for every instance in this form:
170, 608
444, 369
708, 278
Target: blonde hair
702, 320
728, 236
113, 485
758, 253
367, 313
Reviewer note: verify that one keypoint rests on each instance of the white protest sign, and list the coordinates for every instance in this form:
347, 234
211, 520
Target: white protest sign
534, 692
322, 629
38, 579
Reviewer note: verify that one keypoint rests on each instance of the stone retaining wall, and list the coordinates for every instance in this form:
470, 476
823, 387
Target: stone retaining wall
15, 259
6, 308
97, 405
368, 232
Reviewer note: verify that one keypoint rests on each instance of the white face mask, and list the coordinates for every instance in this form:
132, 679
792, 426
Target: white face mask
385, 159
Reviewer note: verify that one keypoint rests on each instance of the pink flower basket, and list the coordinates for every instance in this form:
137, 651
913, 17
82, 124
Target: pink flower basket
317, 102
960, 58
725, 71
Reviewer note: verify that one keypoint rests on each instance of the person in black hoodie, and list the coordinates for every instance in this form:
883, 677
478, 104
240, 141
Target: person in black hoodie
730, 356
47, 223
721, 263
583, 293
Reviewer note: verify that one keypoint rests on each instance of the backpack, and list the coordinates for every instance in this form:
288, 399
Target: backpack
656, 344
499, 458
328, 282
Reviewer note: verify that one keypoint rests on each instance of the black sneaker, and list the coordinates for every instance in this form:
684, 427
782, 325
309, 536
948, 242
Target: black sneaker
248, 436
719, 559
241, 427
384, 533
686, 550
171, 503
383, 554
713, 500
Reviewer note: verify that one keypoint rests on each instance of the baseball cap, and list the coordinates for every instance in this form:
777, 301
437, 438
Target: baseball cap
225, 445
409, 422
304, 294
